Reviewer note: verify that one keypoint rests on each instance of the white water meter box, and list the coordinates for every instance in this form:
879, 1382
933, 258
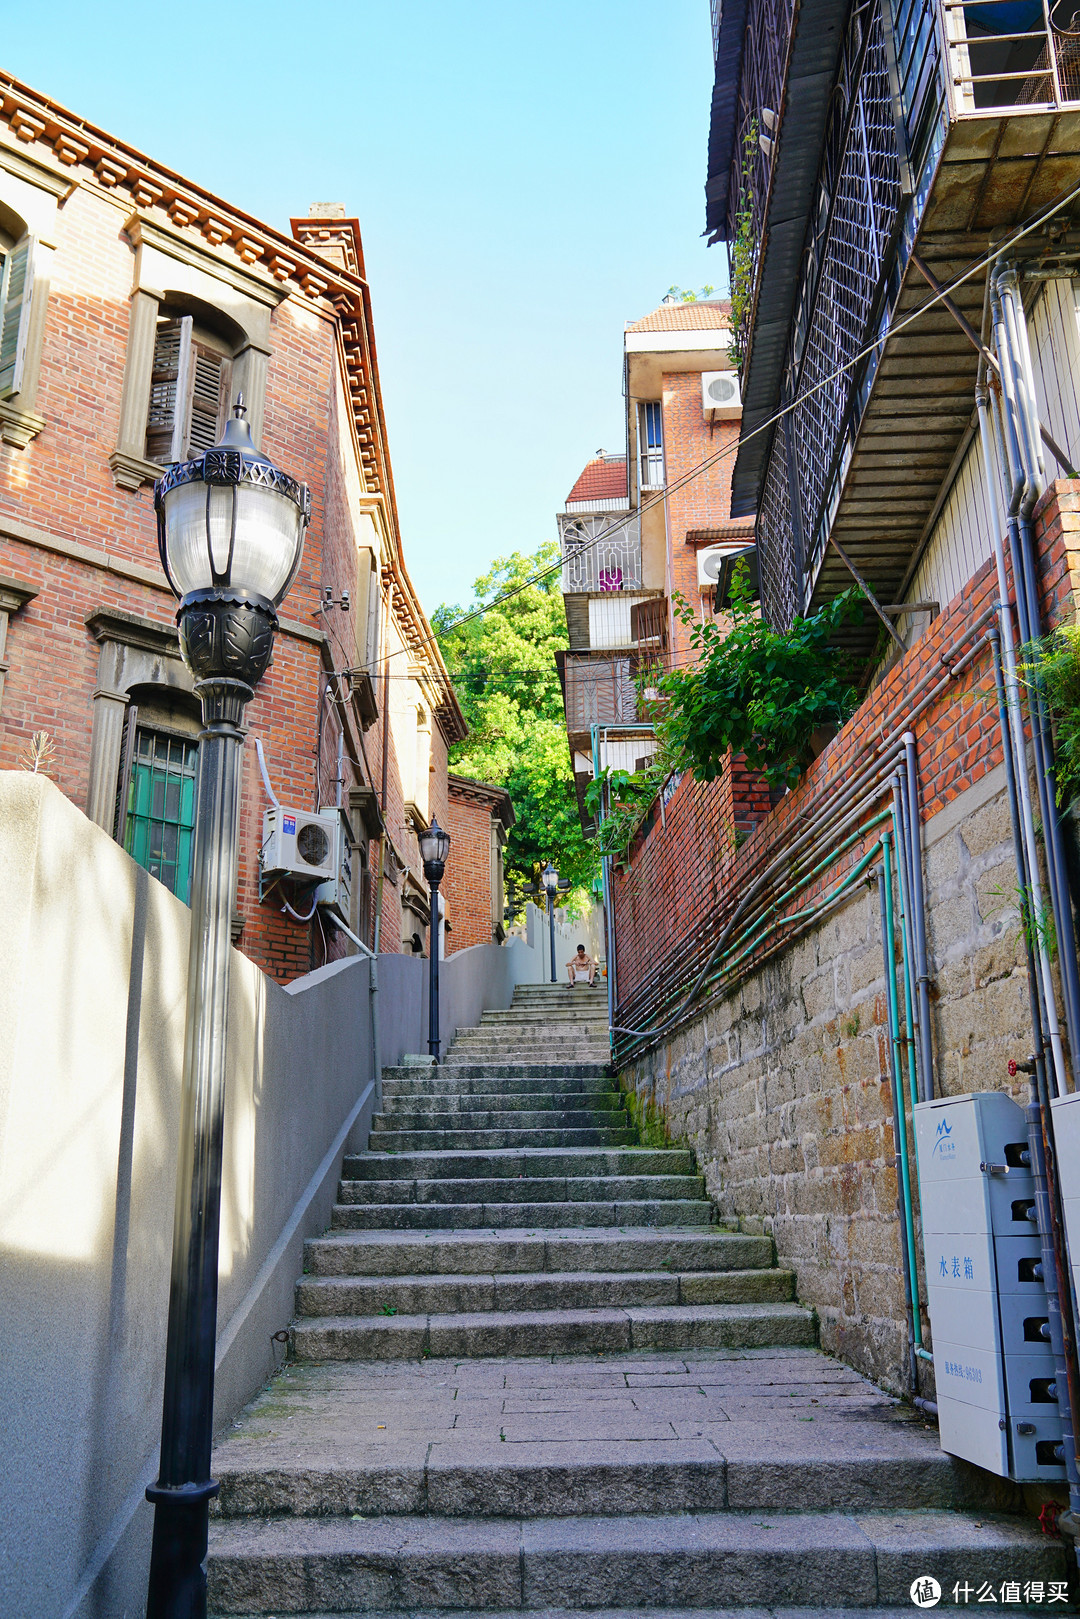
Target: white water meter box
300, 844
987, 1306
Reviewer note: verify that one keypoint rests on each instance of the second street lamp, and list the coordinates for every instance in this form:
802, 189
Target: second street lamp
434, 848
230, 532
550, 879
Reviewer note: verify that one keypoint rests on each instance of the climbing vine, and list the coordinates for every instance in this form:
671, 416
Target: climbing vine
743, 251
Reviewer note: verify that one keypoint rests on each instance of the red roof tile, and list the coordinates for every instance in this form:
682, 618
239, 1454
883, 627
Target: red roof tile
695, 317
602, 479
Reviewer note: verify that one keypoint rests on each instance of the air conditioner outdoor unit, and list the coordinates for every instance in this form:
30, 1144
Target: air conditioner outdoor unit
336, 893
710, 563
300, 845
720, 396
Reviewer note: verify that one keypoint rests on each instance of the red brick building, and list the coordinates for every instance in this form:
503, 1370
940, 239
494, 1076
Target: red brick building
478, 818
134, 306
643, 528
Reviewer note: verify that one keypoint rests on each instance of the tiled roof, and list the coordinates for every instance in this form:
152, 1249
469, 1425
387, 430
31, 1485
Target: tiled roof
736, 528
603, 479
695, 317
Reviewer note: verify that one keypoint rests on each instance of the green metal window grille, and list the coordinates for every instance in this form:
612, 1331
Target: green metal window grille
161, 808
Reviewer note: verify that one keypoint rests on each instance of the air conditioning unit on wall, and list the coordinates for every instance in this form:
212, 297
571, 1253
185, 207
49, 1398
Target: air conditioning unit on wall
301, 845
720, 396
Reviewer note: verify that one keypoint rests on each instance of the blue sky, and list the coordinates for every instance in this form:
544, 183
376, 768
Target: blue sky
527, 179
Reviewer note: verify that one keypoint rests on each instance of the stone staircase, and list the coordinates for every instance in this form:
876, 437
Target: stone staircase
530, 1369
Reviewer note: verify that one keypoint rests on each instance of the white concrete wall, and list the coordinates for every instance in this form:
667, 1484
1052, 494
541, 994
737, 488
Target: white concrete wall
533, 936
93, 959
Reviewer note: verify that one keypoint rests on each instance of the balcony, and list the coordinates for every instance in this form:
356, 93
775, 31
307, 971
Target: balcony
598, 691
939, 124
600, 552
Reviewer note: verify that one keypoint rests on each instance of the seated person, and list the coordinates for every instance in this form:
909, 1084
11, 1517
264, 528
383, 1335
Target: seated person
581, 968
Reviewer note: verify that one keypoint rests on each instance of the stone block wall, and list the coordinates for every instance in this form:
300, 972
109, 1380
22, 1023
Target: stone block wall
782, 1089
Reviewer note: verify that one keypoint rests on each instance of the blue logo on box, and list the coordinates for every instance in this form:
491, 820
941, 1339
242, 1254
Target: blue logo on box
943, 1145
288, 825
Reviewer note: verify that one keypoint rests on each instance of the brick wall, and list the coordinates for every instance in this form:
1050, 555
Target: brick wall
702, 503
468, 872
85, 544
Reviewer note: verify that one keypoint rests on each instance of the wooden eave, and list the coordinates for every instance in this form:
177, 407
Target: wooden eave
995, 173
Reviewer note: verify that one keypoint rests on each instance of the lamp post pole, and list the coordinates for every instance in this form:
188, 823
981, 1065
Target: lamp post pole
434, 848
550, 879
205, 507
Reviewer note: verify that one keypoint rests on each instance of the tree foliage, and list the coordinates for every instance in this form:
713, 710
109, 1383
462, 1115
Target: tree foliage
503, 668
758, 691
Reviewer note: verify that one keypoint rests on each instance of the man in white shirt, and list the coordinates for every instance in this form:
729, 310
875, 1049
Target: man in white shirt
581, 968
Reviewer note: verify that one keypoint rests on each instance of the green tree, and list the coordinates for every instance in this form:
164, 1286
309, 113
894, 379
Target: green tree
503, 667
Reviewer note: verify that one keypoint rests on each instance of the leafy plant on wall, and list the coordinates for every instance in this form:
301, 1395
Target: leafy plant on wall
743, 251
757, 691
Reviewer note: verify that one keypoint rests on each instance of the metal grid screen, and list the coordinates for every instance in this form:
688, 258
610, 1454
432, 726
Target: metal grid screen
846, 261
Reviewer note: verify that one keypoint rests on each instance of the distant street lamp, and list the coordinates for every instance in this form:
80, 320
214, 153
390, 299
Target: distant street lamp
550, 879
230, 533
434, 848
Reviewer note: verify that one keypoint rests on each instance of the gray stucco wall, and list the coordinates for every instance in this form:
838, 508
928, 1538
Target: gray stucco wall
782, 1088
92, 979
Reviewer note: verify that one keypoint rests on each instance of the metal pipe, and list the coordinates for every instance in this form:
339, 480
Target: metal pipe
903, 1199
1015, 357
904, 881
551, 931
919, 916
993, 446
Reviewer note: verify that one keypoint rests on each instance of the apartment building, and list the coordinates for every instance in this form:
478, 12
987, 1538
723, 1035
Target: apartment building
644, 528
135, 306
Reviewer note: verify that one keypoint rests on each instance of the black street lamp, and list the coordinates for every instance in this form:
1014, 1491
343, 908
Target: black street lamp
230, 532
550, 879
434, 848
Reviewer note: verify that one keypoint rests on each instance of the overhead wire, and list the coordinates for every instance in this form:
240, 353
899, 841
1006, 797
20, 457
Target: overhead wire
938, 297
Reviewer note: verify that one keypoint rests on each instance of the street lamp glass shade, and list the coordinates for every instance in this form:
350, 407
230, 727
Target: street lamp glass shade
434, 845
550, 878
231, 520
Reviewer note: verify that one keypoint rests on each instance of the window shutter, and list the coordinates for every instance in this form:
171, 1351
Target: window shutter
209, 398
16, 292
168, 391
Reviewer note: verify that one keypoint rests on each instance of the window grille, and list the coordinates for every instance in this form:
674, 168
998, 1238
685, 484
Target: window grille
848, 259
650, 445
161, 808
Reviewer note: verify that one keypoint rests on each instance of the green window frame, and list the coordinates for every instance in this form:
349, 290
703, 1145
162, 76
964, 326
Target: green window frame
160, 820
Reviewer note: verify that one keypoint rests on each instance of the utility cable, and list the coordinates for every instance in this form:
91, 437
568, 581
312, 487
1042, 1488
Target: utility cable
710, 461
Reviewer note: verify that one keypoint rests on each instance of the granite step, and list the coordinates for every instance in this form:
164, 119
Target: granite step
458, 1068
823, 1560
508, 1162
489, 1252
441, 1117
447, 1098
494, 1216
613, 1330
527, 1189
546, 1290
456, 1140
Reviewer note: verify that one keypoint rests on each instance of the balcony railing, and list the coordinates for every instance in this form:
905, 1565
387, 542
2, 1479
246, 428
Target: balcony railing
600, 552
600, 691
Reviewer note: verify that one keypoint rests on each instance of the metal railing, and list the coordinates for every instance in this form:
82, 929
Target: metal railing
610, 562
1010, 53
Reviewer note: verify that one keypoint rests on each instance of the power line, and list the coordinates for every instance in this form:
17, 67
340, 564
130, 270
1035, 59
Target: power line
940, 296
